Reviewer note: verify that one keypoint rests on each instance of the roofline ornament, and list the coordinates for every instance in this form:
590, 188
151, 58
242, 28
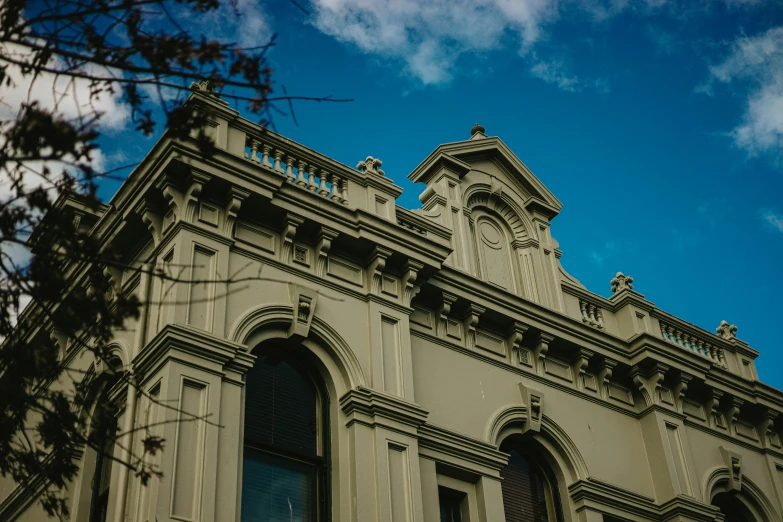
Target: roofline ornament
621, 282
726, 330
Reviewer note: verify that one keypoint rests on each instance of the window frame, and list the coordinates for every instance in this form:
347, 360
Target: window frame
541, 468
322, 460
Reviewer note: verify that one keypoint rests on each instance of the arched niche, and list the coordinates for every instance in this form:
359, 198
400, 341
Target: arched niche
496, 261
479, 196
551, 447
749, 504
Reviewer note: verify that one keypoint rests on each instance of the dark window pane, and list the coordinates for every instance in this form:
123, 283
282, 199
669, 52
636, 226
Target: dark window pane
524, 490
277, 489
281, 408
450, 504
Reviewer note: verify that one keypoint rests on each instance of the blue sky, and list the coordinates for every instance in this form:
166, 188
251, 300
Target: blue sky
659, 125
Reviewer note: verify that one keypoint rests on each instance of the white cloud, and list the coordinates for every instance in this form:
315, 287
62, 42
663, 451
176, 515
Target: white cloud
69, 96
756, 64
243, 22
429, 36
774, 220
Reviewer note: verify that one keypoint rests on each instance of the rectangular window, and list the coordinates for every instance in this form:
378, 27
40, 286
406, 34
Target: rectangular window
452, 503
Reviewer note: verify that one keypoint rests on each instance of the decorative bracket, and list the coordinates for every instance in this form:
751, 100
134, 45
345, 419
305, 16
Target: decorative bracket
471, 320
290, 224
378, 259
605, 376
650, 382
733, 461
173, 196
193, 194
713, 409
519, 354
534, 401
541, 347
767, 435
444, 309
581, 360
151, 219
680, 388
325, 238
304, 301
409, 288
732, 413
236, 197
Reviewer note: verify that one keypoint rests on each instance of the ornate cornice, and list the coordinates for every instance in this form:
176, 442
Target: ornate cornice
370, 407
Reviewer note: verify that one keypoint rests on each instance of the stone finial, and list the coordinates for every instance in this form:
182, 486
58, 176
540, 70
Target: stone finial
477, 128
370, 166
726, 330
203, 85
621, 282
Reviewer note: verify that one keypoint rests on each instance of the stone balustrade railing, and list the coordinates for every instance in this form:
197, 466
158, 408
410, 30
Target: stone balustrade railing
298, 169
698, 344
591, 314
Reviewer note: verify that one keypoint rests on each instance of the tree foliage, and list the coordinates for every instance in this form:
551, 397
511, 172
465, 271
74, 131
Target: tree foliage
60, 61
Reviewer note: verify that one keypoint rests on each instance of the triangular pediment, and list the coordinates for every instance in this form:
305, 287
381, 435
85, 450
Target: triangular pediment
459, 158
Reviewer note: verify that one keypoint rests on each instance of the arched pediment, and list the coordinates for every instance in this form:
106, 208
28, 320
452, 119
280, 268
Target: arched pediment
717, 481
479, 195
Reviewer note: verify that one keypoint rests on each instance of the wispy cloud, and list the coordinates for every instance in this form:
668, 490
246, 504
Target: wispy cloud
755, 65
665, 43
773, 220
429, 36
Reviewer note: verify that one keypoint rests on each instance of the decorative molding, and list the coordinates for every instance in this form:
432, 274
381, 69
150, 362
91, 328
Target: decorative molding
443, 441
193, 193
371, 407
712, 407
581, 360
731, 413
151, 219
766, 433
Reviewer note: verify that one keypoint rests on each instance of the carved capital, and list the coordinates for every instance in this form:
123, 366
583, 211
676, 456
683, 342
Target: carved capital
519, 354
377, 263
471, 320
408, 280
235, 198
322, 247
290, 224
444, 309
534, 402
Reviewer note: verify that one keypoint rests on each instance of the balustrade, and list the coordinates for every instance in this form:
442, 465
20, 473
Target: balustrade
591, 314
297, 171
695, 344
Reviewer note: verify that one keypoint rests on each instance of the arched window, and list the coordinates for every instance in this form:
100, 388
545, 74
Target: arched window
101, 479
284, 471
732, 508
529, 489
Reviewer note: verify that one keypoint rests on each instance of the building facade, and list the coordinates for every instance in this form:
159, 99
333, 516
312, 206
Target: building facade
352, 360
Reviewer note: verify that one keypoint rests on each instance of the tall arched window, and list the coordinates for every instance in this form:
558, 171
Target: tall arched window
529, 488
284, 472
